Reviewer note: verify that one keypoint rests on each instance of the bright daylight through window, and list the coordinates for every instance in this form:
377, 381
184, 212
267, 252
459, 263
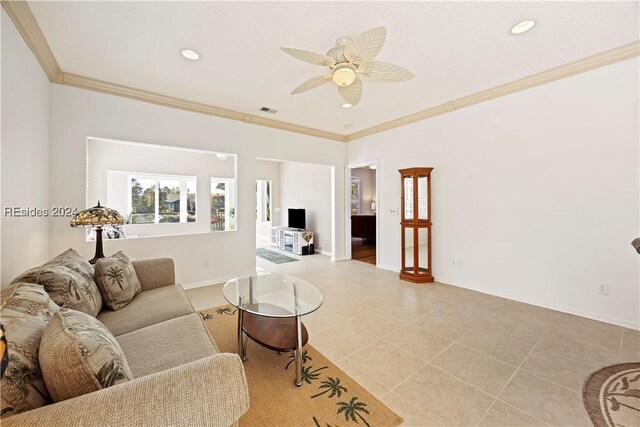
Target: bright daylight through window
160, 198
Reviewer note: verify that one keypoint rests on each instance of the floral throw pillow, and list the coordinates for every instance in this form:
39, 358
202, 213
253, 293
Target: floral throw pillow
117, 280
68, 278
79, 355
26, 310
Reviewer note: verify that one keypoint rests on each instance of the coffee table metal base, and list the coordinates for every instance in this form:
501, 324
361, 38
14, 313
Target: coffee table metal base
275, 333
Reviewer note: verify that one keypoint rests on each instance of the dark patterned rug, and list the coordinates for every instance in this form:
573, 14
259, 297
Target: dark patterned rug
612, 395
274, 257
328, 396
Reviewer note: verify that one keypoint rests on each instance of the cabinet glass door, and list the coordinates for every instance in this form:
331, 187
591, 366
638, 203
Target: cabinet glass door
407, 209
423, 251
408, 250
423, 200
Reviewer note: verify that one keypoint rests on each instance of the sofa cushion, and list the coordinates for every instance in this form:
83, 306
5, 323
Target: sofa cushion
68, 278
146, 309
26, 310
155, 272
78, 355
167, 345
116, 280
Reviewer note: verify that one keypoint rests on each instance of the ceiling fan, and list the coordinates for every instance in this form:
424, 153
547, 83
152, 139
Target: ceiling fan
350, 61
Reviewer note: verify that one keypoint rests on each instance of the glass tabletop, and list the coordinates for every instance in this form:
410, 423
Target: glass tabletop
272, 295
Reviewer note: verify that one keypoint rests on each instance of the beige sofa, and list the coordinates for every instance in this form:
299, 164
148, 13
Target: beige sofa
181, 378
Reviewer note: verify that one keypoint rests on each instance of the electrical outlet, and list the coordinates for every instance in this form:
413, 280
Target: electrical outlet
603, 288
458, 263
207, 264
393, 211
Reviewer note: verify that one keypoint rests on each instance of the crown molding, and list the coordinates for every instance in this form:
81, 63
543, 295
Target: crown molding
28, 27
589, 63
20, 14
69, 79
25, 22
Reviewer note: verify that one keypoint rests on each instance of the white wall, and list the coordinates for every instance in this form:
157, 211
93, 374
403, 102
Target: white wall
538, 192
367, 188
25, 154
77, 114
309, 187
105, 156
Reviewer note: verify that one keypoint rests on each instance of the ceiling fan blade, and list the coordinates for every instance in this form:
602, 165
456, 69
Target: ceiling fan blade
351, 93
310, 57
383, 72
366, 46
311, 84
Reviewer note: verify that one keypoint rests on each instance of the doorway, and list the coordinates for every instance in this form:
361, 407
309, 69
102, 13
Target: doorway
305, 189
363, 209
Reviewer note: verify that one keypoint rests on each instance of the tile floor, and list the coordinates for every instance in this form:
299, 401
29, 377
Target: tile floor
442, 355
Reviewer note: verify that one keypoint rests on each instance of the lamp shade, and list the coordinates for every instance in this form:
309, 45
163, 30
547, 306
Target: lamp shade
96, 217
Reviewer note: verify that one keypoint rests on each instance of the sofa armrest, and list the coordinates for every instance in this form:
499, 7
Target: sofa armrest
155, 272
208, 392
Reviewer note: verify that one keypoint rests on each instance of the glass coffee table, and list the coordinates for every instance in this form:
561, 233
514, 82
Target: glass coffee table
270, 306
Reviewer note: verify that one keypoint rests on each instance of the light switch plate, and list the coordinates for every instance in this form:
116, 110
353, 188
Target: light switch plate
393, 211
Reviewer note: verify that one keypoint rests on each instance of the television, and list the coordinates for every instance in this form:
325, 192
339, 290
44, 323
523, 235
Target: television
297, 218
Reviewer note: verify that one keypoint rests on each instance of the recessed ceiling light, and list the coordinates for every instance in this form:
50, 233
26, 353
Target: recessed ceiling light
348, 126
347, 105
190, 54
222, 156
522, 27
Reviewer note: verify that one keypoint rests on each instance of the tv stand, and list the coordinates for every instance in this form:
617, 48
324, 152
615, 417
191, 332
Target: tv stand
294, 240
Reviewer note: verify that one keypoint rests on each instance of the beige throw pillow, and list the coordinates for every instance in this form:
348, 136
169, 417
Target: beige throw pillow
117, 280
26, 310
68, 278
78, 355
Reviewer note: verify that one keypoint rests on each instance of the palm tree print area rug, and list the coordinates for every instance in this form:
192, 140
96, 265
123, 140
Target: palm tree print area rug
612, 395
328, 397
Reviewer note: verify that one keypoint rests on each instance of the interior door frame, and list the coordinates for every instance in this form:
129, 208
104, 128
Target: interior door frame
347, 225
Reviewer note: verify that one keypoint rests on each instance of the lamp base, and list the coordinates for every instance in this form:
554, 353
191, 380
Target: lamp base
99, 254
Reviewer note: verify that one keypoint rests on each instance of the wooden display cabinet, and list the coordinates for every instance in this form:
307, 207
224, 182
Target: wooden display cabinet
415, 225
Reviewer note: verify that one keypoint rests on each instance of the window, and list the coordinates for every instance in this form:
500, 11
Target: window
263, 198
143, 201
223, 213
355, 196
155, 199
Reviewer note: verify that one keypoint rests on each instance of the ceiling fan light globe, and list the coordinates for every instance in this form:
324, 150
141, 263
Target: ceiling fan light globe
344, 76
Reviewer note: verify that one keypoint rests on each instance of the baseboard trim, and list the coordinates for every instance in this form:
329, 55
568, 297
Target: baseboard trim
327, 253
386, 267
557, 307
209, 282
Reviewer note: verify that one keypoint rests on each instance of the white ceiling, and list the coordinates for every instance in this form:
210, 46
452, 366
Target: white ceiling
453, 48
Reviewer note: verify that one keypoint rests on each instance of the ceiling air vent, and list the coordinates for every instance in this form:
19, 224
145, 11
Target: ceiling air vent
268, 110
